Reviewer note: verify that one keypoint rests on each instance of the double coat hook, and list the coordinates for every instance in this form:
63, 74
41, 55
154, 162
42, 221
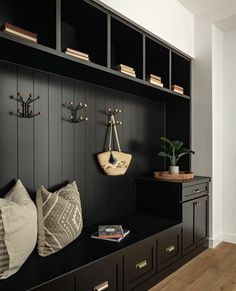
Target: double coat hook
25, 111
74, 110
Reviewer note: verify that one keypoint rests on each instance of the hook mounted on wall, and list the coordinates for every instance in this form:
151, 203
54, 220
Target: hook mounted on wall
113, 113
74, 110
25, 111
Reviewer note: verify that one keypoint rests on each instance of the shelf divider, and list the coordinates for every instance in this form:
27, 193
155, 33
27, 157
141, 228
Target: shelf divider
58, 25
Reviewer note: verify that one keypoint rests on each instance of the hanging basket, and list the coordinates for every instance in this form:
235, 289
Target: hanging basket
114, 163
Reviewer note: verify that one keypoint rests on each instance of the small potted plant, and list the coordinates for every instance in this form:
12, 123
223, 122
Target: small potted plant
173, 150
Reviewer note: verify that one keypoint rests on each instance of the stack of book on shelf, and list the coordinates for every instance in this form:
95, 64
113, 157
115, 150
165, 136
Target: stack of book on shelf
111, 233
126, 70
19, 32
153, 79
177, 89
77, 54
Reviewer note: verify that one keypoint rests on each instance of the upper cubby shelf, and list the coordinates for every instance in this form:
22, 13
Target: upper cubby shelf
84, 29
180, 72
126, 47
32, 16
157, 61
108, 40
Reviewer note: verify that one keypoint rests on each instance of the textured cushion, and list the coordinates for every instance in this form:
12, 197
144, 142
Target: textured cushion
59, 218
18, 229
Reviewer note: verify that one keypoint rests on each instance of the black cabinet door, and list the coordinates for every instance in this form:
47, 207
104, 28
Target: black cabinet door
64, 283
201, 208
189, 225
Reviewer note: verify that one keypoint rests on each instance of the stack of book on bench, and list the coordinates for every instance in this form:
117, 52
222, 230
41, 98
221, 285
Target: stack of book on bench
19, 32
77, 54
111, 233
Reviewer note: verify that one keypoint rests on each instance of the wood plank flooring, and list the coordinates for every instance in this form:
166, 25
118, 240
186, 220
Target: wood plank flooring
212, 270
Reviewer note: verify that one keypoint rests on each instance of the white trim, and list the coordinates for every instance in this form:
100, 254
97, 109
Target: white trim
215, 241
230, 237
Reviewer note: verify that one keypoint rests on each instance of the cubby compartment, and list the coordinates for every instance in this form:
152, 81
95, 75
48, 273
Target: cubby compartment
180, 72
38, 17
157, 61
84, 29
126, 47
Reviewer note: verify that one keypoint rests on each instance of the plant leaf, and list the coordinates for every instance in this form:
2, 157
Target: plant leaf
177, 144
163, 154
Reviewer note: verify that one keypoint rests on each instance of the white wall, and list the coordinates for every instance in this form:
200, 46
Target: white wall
167, 19
229, 137
217, 136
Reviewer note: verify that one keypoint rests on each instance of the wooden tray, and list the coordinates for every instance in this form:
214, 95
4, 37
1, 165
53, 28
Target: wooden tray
167, 176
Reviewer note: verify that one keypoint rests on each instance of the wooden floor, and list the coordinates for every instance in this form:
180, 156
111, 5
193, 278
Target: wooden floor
212, 270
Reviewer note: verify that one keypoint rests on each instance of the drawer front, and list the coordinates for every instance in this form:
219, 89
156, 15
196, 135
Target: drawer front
168, 247
139, 264
100, 276
195, 191
64, 283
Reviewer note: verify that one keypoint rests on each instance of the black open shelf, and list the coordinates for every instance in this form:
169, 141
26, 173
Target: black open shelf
126, 47
84, 28
180, 72
157, 61
32, 16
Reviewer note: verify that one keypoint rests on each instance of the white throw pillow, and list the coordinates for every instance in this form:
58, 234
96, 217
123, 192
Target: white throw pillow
18, 229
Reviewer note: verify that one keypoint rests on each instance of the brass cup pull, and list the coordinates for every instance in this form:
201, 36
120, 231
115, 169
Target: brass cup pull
196, 191
101, 287
170, 249
141, 265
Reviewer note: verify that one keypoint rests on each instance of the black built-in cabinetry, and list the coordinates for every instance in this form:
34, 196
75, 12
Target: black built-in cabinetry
169, 226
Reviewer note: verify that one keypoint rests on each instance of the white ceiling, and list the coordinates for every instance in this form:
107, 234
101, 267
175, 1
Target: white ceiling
220, 12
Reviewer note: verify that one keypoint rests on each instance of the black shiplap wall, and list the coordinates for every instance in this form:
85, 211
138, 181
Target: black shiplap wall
51, 151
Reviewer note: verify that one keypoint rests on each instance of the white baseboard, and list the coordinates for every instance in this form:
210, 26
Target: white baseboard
215, 241
229, 237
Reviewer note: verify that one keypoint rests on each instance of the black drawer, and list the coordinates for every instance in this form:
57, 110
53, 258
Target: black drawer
64, 283
195, 191
101, 276
139, 264
168, 247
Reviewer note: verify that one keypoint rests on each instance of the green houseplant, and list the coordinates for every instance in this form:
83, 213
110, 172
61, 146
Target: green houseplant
173, 150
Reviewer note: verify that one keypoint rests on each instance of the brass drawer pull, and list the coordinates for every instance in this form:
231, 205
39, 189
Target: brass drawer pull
101, 287
170, 249
141, 265
196, 191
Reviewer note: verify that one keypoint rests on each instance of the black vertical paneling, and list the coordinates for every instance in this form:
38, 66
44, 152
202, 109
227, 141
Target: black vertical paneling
55, 131
41, 130
49, 150
8, 123
67, 131
101, 130
80, 149
25, 131
90, 155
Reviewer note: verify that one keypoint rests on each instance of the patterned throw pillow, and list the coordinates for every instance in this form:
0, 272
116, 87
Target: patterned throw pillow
59, 218
18, 229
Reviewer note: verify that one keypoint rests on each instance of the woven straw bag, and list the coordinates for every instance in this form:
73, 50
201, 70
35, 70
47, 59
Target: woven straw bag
114, 163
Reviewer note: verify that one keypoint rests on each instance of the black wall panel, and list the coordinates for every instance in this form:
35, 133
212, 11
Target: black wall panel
49, 150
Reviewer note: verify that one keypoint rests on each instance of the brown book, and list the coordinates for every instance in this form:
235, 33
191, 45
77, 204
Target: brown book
177, 87
128, 73
155, 82
178, 91
17, 31
124, 68
77, 56
152, 76
77, 53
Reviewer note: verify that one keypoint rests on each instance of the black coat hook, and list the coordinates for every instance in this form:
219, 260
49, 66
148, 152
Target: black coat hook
25, 111
74, 110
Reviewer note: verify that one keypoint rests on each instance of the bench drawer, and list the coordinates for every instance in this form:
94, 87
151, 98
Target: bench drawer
169, 247
139, 264
195, 191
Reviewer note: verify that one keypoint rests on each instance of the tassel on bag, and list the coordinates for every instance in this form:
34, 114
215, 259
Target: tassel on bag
114, 163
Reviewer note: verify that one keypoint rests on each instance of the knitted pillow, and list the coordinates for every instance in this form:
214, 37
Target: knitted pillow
18, 229
59, 218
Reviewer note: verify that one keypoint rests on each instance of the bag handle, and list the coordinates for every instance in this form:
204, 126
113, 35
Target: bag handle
115, 131
110, 137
